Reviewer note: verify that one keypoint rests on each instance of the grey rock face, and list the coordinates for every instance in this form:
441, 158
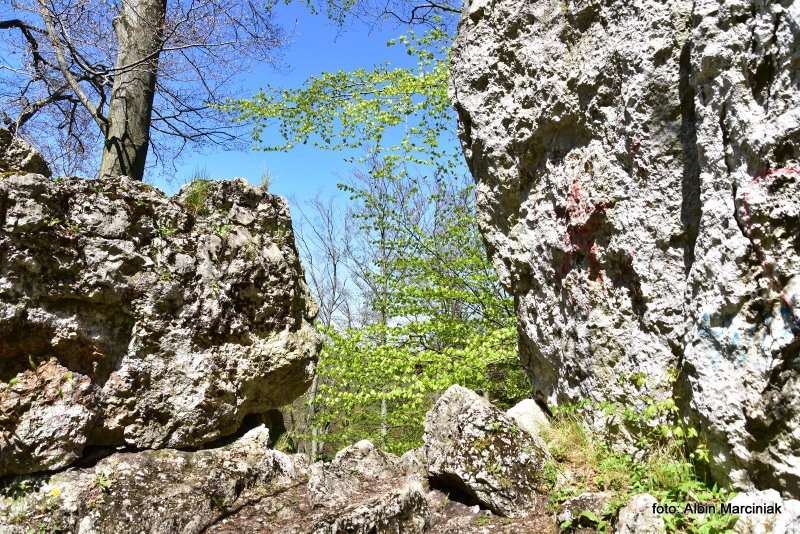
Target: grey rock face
17, 155
165, 491
785, 522
388, 500
637, 517
638, 170
475, 448
363, 490
529, 417
131, 319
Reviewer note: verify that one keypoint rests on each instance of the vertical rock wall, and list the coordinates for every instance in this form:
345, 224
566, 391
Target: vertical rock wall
639, 191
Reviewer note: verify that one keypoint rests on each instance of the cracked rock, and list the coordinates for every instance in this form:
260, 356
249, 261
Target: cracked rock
131, 319
475, 450
637, 168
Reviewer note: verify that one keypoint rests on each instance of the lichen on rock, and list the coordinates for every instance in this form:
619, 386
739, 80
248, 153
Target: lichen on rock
131, 319
637, 167
474, 449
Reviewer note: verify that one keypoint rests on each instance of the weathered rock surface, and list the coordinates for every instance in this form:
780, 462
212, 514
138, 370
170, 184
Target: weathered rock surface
363, 490
165, 491
758, 522
246, 487
637, 517
638, 170
131, 319
17, 155
529, 417
473, 447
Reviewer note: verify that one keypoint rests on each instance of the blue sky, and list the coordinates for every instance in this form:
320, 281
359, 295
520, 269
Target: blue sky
315, 45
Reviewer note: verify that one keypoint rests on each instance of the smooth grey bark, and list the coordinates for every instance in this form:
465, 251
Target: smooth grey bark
140, 33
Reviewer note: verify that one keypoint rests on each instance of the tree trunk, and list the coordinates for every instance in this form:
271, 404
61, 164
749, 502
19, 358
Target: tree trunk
140, 32
312, 405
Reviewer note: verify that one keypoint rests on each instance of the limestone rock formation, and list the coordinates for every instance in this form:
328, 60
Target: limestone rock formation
18, 156
164, 491
757, 522
475, 448
131, 319
638, 171
637, 517
246, 487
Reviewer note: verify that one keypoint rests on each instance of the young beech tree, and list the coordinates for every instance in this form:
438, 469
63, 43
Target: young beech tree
137, 75
435, 313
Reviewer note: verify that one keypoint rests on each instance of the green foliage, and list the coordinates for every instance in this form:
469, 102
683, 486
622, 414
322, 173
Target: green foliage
403, 113
362, 367
103, 481
222, 230
669, 472
166, 231
196, 196
436, 314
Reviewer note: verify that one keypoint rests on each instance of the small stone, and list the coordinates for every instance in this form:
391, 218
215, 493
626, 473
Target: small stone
594, 502
638, 517
530, 417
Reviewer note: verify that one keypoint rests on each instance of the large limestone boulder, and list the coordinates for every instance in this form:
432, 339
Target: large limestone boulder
156, 492
478, 452
638, 170
17, 155
131, 319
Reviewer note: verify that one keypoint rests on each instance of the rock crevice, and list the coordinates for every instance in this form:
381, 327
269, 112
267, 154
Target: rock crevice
637, 172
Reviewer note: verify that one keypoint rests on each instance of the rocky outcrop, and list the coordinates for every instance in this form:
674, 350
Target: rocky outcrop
164, 491
362, 490
130, 319
638, 170
18, 156
247, 487
478, 451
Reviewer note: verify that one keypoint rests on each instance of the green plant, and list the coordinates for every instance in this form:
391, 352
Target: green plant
103, 481
166, 231
668, 471
196, 196
219, 503
222, 230
586, 518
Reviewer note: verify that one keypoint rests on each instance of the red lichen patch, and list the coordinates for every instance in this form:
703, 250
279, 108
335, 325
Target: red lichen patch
746, 221
768, 174
580, 240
